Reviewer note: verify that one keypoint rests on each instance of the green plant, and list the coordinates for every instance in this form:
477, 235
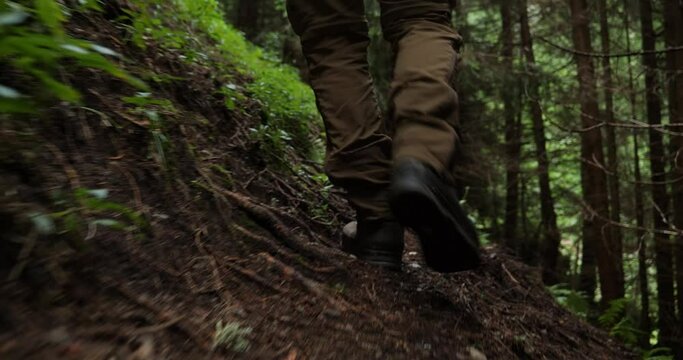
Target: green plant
618, 321
39, 49
658, 354
89, 209
76, 221
273, 141
289, 113
231, 336
152, 108
570, 299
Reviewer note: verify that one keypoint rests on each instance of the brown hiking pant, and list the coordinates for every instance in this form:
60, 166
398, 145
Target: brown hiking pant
423, 105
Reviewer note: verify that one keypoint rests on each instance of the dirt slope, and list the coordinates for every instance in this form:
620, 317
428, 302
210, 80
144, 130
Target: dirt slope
228, 239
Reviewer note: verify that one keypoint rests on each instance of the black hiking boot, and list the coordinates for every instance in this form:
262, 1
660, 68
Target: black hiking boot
421, 200
378, 242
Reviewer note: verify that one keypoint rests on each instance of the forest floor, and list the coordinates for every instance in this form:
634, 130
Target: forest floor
237, 258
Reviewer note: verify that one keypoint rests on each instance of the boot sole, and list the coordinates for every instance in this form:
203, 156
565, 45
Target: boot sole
385, 260
388, 260
447, 245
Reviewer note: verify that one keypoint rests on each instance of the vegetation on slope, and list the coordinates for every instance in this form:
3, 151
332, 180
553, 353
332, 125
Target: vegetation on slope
158, 193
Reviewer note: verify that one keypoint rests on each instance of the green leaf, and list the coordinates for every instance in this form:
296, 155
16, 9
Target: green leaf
90, 5
74, 48
43, 223
50, 13
15, 17
104, 50
72, 223
110, 223
99, 193
61, 90
8, 92
16, 106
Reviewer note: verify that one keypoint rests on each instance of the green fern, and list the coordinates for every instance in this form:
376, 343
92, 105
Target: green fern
570, 299
614, 313
620, 322
40, 51
660, 353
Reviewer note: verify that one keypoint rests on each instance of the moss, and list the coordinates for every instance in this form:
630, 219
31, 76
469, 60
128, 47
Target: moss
289, 116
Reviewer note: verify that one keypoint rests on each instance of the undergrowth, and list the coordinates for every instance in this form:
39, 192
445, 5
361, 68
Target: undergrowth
618, 318
39, 57
34, 44
289, 119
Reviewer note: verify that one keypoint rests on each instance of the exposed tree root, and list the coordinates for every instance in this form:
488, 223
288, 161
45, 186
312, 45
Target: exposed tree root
253, 276
218, 284
283, 254
271, 222
166, 316
311, 285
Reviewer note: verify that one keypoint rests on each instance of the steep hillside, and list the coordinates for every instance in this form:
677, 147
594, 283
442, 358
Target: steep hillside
187, 217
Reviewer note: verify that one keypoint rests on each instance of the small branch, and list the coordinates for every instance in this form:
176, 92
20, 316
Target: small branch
616, 55
283, 252
167, 316
311, 285
594, 214
509, 274
253, 276
218, 284
273, 223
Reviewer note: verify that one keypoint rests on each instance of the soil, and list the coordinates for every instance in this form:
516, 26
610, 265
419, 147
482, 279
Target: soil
231, 239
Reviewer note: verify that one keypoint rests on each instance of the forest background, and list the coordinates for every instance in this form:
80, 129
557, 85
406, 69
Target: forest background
571, 116
571, 127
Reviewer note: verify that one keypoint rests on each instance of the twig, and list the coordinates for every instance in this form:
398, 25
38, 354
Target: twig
164, 315
273, 224
258, 174
24, 254
218, 284
137, 195
71, 173
310, 285
509, 274
615, 55
594, 214
253, 276
157, 328
281, 253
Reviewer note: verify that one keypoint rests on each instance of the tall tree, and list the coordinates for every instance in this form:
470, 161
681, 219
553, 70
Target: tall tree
550, 234
645, 321
673, 29
612, 162
594, 178
645, 324
512, 129
663, 256
247, 17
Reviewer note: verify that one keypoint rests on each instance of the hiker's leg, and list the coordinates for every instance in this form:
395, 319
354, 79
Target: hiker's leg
334, 36
425, 107
422, 101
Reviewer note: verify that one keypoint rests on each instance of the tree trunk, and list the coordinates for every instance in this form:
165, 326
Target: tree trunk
645, 322
673, 29
594, 178
616, 251
645, 325
247, 17
587, 275
550, 234
512, 133
663, 256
